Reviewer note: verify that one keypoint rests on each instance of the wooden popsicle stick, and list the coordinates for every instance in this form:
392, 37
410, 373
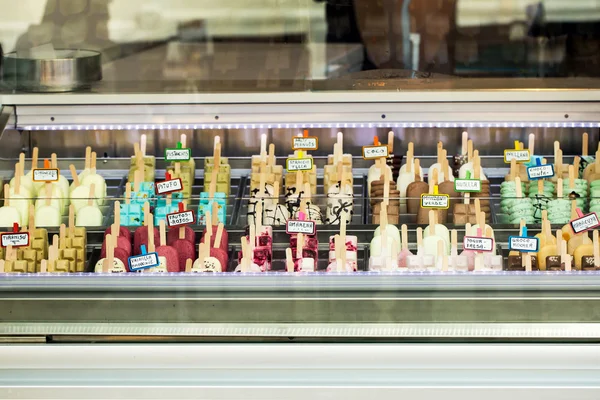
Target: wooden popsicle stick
271, 159
71, 220
183, 140
213, 184
252, 237
418, 176
219, 235
454, 243
468, 228
34, 158
469, 150
48, 187
188, 265
62, 236
559, 188
117, 211
163, 233
110, 254
74, 175
289, 263
338, 250
404, 230
143, 144
559, 163
259, 218
137, 180
150, 228
127, 193
391, 142
383, 218
91, 194
432, 222
410, 157
528, 262
465, 139
22, 163
440, 147
88, 157
565, 257
209, 222
476, 165
31, 224
54, 161
6, 194
584, 144
571, 177
419, 241
513, 169
215, 213
531, 144
17, 179
518, 187
93, 163
217, 157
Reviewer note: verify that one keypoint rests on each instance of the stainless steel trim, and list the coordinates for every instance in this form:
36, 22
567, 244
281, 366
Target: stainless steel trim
350, 371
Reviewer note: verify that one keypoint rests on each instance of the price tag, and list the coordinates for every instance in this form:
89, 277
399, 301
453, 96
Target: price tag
305, 143
476, 243
170, 186
467, 185
584, 222
375, 152
540, 172
440, 201
45, 175
299, 164
304, 227
523, 244
178, 153
143, 261
181, 218
15, 239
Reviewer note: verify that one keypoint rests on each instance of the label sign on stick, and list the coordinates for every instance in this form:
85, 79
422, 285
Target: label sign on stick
305, 143
374, 152
143, 261
441, 201
476, 243
170, 186
584, 222
523, 244
540, 172
15, 239
467, 185
521, 156
181, 218
178, 153
298, 164
45, 175
297, 226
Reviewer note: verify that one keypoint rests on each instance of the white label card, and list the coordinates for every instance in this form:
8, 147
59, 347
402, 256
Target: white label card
541, 171
177, 154
143, 261
173, 185
374, 152
435, 201
467, 185
45, 175
182, 218
299, 164
305, 143
523, 244
304, 227
517, 155
16, 239
478, 243
585, 223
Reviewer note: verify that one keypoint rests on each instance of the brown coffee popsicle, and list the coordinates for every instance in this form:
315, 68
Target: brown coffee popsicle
415, 190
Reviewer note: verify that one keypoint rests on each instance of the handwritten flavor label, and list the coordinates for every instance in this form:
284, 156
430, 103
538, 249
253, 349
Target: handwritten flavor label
15, 239
304, 227
540, 171
374, 152
478, 243
144, 261
299, 164
305, 143
520, 156
181, 218
523, 244
45, 175
435, 201
178, 154
170, 186
467, 185
585, 223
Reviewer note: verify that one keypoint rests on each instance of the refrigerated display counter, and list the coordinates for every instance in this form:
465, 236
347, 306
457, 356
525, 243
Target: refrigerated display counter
401, 250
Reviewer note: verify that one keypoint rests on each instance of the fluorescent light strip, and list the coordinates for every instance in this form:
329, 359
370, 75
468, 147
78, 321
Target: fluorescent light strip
463, 125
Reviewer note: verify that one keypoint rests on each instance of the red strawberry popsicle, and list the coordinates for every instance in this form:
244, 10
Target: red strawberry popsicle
122, 246
175, 234
168, 252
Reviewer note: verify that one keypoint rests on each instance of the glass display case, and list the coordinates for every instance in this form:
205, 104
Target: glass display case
189, 211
